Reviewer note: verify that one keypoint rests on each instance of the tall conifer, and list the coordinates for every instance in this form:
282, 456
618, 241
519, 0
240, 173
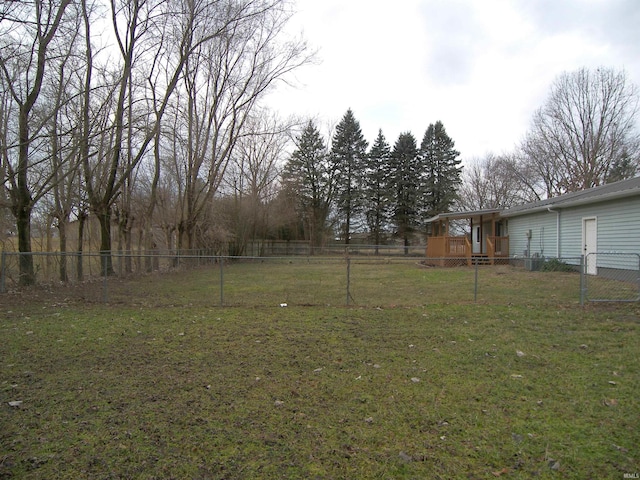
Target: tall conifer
407, 186
441, 170
308, 176
348, 155
377, 189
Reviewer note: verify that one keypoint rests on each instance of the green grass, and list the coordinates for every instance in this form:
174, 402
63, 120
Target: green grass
323, 282
170, 387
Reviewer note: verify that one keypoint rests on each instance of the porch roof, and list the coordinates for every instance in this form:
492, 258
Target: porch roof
460, 215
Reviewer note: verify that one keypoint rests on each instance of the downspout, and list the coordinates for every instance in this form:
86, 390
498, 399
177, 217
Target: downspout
557, 212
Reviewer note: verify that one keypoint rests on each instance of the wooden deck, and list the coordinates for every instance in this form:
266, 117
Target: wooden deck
447, 251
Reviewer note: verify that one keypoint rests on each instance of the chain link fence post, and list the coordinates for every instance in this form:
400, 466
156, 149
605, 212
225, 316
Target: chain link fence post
105, 273
3, 266
348, 278
475, 283
582, 280
221, 281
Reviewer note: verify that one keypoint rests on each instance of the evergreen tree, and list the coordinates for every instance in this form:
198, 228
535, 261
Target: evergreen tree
441, 170
376, 194
348, 155
307, 175
406, 185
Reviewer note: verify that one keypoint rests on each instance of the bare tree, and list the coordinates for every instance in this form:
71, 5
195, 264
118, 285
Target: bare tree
253, 174
140, 29
494, 181
584, 131
29, 33
223, 83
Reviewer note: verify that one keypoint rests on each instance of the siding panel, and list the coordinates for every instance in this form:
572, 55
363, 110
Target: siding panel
618, 224
543, 234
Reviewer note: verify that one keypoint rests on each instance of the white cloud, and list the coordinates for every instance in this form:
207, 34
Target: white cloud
482, 68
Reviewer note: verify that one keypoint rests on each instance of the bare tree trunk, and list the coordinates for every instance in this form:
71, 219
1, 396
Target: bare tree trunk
62, 233
104, 219
82, 218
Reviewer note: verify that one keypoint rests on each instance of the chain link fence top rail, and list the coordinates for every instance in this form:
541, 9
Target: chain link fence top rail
350, 279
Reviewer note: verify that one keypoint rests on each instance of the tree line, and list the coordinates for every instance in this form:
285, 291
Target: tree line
148, 116
130, 111
347, 189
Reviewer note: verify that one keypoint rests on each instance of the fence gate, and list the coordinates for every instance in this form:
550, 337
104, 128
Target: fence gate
613, 277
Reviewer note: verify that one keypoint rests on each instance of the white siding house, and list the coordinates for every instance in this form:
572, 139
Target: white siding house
600, 223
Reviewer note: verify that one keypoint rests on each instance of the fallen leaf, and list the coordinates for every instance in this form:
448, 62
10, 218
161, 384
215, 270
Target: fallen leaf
415, 379
618, 447
15, 403
504, 471
520, 353
405, 457
610, 402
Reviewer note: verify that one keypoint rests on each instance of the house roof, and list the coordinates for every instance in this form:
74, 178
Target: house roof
610, 191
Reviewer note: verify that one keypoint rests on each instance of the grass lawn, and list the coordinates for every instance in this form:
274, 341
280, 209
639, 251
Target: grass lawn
166, 385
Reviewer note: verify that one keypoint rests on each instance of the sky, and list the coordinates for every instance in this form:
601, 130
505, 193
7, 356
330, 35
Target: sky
482, 67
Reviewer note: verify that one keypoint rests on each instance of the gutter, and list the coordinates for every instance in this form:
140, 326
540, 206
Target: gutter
557, 212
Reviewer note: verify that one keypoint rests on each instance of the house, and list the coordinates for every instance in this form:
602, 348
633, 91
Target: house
466, 237
604, 219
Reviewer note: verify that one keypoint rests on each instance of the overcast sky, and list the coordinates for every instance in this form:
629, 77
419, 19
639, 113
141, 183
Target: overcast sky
482, 67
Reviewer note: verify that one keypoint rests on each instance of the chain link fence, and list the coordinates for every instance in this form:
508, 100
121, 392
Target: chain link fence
355, 277
612, 277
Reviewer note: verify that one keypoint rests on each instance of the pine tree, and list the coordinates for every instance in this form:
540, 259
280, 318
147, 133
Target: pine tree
441, 170
377, 194
348, 155
307, 174
406, 185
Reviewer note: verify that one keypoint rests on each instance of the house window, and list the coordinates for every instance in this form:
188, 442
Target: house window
478, 234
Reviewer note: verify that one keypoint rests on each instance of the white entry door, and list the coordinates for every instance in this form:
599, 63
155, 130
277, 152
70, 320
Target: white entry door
476, 244
590, 242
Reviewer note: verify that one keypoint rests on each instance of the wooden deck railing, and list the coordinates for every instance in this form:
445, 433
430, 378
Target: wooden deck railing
438, 247
497, 246
460, 247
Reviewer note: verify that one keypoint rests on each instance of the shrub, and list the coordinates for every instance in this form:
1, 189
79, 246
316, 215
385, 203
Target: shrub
555, 265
